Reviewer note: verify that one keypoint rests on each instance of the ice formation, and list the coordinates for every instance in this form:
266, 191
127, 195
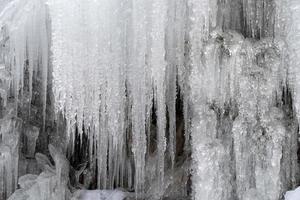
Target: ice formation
50, 184
99, 194
292, 195
166, 99
9, 144
123, 53
24, 54
235, 84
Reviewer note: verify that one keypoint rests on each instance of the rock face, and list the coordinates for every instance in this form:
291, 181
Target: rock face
138, 99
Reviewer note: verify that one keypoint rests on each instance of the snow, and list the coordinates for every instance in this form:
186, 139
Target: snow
292, 195
99, 194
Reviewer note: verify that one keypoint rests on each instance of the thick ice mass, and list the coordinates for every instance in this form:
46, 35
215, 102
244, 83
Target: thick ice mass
149, 99
123, 53
292, 195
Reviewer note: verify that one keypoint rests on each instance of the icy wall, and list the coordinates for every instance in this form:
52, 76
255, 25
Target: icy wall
24, 57
114, 61
139, 88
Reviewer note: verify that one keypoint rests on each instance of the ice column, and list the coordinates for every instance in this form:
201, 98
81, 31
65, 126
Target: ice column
120, 46
138, 74
9, 153
293, 16
158, 68
30, 137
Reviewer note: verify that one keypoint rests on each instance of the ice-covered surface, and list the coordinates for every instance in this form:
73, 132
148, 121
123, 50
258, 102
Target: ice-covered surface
9, 155
293, 42
25, 47
123, 54
99, 194
23, 39
238, 125
121, 69
51, 184
292, 195
31, 135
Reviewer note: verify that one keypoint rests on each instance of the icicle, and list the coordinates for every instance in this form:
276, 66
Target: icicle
25, 42
109, 60
158, 67
183, 62
9, 153
201, 18
292, 15
99, 55
43, 49
138, 89
175, 58
210, 157
22, 45
31, 136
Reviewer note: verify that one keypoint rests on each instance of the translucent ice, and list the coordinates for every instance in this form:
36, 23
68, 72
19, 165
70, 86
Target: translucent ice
27, 181
24, 45
51, 184
123, 53
9, 153
31, 136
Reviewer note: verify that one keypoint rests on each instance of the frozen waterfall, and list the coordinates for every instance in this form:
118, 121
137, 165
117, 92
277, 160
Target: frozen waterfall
149, 99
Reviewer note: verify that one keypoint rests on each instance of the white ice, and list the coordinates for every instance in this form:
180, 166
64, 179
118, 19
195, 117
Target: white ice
292, 195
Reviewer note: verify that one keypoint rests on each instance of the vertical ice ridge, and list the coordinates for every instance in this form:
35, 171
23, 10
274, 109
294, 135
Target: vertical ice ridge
125, 56
138, 65
228, 70
158, 67
293, 43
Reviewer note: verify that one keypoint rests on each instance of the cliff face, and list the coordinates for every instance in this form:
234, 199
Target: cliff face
163, 99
